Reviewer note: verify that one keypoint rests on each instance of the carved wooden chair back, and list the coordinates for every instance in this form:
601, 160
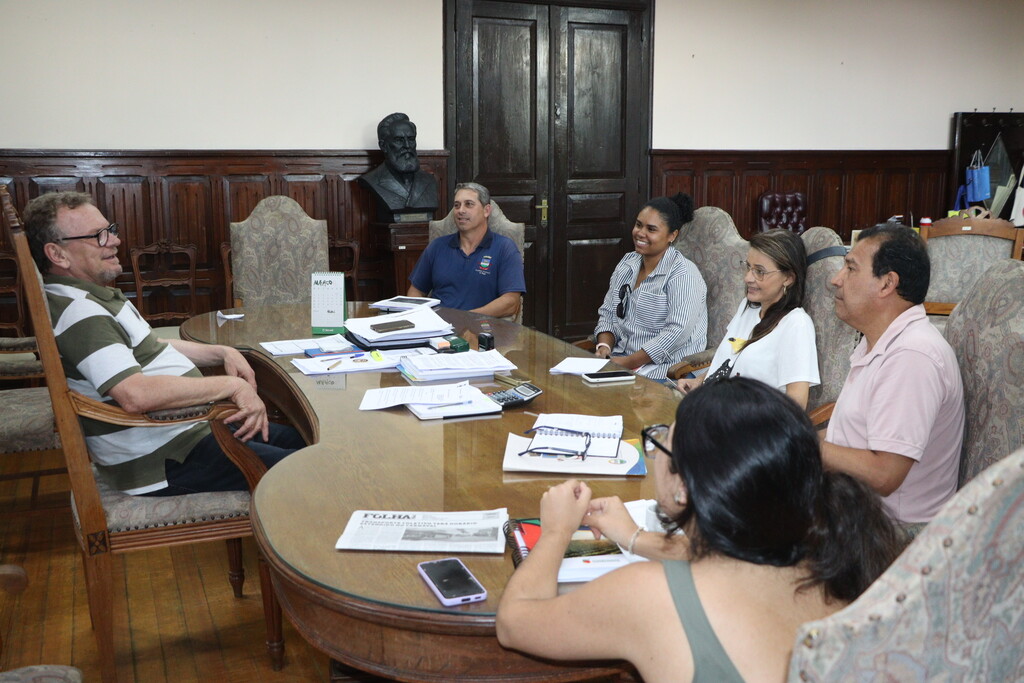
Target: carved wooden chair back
165, 271
349, 266
108, 521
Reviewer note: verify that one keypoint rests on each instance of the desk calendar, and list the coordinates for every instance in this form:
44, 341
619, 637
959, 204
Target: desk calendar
327, 314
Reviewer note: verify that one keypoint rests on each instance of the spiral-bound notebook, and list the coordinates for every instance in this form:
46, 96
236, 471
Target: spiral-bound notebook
568, 433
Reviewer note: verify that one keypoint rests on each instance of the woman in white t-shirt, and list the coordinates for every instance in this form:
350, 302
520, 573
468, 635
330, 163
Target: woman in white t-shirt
770, 338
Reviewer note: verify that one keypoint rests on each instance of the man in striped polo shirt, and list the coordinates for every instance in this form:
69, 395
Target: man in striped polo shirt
110, 353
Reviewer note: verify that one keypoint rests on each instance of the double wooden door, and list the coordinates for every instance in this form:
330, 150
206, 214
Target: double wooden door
549, 107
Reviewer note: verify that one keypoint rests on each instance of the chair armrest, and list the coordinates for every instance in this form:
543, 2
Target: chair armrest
241, 455
692, 363
821, 414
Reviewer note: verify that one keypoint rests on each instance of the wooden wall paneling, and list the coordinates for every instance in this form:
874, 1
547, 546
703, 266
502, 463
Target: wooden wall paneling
825, 204
192, 196
241, 193
895, 192
845, 189
755, 181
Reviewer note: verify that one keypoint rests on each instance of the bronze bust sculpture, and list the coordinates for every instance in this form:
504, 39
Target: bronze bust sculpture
404, 192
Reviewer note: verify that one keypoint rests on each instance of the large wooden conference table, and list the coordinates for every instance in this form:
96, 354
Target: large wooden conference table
371, 610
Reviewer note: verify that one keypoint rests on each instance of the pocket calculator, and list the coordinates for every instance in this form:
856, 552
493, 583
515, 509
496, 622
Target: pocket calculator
513, 398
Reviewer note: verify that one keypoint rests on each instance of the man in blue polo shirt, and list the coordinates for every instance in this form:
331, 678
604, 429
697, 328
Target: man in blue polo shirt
473, 269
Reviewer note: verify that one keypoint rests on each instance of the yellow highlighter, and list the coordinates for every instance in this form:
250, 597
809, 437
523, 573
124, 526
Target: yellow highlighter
376, 355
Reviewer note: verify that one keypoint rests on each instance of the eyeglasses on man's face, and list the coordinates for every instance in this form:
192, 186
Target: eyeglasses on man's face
623, 306
101, 236
759, 272
654, 437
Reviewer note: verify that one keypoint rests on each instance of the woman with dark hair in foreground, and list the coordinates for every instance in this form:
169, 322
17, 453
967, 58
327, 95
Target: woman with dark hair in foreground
771, 541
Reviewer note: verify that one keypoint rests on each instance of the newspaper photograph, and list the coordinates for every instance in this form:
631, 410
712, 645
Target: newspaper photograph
426, 532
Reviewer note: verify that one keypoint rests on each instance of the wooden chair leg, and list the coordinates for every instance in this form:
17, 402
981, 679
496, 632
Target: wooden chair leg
236, 572
99, 587
272, 614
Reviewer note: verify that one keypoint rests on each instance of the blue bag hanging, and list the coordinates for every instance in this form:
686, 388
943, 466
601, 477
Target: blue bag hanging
978, 184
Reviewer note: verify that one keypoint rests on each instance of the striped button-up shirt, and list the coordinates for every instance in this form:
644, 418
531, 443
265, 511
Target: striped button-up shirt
666, 316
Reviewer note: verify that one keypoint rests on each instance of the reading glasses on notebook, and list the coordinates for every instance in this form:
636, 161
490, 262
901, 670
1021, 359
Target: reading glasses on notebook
556, 450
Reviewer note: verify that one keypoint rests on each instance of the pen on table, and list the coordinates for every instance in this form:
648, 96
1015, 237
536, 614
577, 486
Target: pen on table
334, 364
445, 405
343, 355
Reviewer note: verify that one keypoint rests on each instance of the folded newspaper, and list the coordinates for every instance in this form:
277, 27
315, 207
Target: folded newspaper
444, 532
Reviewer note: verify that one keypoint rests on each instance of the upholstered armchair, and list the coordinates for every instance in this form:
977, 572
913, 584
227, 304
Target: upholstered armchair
786, 210
961, 248
986, 331
950, 608
499, 223
835, 340
714, 245
274, 253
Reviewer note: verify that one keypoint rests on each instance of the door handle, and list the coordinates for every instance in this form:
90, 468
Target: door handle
543, 206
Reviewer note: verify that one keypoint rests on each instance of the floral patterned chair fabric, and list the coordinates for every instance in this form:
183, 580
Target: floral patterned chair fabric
986, 330
714, 245
961, 248
499, 223
834, 339
275, 251
949, 609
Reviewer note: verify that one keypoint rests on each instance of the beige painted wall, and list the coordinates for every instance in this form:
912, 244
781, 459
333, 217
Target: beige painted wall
238, 74
830, 74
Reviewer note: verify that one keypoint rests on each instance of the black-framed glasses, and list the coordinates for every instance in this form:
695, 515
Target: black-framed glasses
548, 449
623, 306
759, 271
102, 236
652, 437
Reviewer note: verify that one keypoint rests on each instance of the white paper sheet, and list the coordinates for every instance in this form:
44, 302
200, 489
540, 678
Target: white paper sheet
436, 396
577, 366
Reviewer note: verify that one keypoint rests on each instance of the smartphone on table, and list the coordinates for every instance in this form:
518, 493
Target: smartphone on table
391, 326
451, 581
608, 377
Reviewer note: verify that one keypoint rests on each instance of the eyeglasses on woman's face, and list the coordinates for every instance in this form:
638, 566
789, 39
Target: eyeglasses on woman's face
759, 272
654, 437
102, 236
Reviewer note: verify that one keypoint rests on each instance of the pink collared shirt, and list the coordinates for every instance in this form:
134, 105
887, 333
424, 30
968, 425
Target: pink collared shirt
905, 396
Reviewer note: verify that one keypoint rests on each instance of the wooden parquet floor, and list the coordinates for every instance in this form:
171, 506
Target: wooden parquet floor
176, 618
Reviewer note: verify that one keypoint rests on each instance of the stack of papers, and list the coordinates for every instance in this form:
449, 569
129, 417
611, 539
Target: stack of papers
364, 361
425, 323
463, 365
404, 303
290, 347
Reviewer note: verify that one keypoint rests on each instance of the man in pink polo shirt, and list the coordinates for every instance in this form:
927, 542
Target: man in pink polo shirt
898, 424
